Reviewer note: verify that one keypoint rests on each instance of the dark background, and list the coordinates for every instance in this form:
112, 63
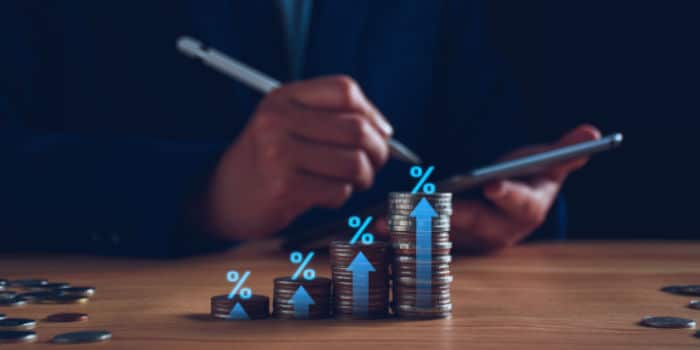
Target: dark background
629, 66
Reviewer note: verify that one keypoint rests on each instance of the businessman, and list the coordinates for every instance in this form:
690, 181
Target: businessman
114, 143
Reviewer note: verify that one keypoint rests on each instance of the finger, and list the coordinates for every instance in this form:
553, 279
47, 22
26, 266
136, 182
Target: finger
476, 225
580, 134
341, 164
350, 130
380, 227
336, 92
296, 192
523, 202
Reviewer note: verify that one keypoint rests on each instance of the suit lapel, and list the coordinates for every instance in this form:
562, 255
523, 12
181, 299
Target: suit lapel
336, 32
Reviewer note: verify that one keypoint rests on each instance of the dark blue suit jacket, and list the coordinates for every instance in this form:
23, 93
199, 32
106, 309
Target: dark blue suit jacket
107, 133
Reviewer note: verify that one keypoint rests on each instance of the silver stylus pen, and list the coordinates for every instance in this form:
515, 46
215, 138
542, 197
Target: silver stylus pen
261, 82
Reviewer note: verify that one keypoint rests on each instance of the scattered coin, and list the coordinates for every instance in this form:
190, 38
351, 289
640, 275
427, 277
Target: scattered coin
17, 336
82, 337
17, 324
78, 291
37, 296
29, 283
67, 317
54, 286
667, 322
694, 304
16, 301
63, 299
692, 290
7, 294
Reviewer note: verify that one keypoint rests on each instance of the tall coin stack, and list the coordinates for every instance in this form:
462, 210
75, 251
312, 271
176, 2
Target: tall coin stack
421, 244
370, 271
290, 301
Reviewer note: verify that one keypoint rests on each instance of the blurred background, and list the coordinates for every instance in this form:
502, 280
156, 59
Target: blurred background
629, 66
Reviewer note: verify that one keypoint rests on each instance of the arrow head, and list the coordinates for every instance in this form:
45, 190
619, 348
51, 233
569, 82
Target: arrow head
360, 264
423, 209
237, 313
301, 297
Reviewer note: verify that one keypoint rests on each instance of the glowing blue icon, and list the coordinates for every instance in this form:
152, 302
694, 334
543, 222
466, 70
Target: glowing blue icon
301, 301
366, 237
233, 277
238, 313
418, 173
298, 259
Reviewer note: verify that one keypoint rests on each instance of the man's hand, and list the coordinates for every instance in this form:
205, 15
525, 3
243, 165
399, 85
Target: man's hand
514, 208
309, 144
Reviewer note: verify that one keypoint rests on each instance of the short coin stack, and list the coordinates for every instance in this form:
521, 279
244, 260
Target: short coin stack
421, 275
302, 299
256, 307
344, 263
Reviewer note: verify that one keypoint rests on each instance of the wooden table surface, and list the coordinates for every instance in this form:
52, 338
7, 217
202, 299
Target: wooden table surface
579, 295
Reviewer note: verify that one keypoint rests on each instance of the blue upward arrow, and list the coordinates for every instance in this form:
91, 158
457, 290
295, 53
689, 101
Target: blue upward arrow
360, 268
238, 313
424, 214
301, 300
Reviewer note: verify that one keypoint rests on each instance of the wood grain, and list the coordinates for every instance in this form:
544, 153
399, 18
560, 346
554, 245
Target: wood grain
581, 295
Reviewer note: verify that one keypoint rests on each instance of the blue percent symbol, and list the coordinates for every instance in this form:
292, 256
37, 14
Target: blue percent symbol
366, 237
418, 173
298, 259
233, 277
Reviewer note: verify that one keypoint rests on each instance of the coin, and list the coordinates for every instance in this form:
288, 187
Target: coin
398, 237
438, 259
82, 337
35, 297
403, 223
17, 336
3, 283
17, 324
667, 322
52, 286
436, 249
78, 291
692, 290
436, 280
7, 294
29, 283
16, 301
67, 317
63, 299
694, 304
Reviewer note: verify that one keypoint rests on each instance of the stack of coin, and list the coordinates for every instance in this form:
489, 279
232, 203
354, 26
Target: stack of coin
421, 278
256, 307
316, 306
342, 256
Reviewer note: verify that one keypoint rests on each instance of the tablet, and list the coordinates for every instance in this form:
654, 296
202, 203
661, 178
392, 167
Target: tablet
528, 165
